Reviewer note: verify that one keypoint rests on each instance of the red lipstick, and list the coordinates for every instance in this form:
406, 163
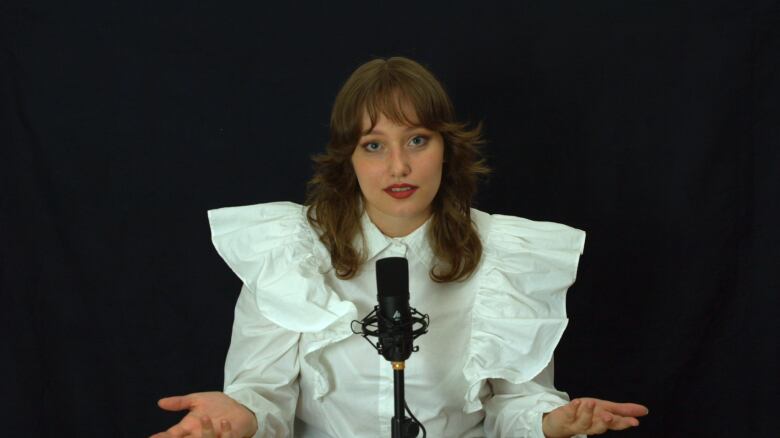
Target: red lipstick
401, 191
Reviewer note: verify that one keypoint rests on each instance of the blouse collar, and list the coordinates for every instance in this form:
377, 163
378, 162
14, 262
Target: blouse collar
415, 242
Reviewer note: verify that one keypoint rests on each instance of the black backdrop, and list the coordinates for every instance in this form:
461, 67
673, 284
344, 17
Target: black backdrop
651, 125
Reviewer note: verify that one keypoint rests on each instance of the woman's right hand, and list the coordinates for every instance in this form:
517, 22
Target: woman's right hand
211, 415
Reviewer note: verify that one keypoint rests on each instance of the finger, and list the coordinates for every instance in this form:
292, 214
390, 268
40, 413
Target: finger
177, 431
625, 409
575, 405
226, 431
207, 429
570, 410
621, 423
597, 427
584, 418
600, 420
175, 403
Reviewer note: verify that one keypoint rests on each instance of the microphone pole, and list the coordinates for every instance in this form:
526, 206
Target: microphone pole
402, 426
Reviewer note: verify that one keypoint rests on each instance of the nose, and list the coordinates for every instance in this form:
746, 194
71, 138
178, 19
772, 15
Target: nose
398, 162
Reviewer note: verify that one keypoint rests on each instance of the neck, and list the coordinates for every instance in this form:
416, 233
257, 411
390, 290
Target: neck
392, 226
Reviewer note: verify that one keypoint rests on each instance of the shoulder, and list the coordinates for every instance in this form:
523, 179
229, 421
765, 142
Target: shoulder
266, 222
276, 254
505, 232
252, 239
226, 219
522, 257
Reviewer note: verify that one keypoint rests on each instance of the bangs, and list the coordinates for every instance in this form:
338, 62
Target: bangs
397, 107
404, 102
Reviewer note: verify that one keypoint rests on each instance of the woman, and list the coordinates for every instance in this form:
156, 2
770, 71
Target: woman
397, 179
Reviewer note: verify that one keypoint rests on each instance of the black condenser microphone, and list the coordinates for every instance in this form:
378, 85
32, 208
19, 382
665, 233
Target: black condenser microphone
394, 314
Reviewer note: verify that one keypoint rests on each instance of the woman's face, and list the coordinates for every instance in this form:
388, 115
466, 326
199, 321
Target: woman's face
399, 170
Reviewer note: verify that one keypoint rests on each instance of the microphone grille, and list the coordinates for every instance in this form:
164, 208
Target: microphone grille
392, 277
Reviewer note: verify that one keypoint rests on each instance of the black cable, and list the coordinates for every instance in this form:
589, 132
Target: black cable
408, 411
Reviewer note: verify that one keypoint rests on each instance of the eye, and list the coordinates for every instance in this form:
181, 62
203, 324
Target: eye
372, 146
418, 140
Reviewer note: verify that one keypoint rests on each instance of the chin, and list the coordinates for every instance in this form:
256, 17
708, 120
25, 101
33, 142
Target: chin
409, 212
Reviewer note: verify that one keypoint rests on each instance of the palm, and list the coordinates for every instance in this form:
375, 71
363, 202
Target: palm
206, 409
591, 416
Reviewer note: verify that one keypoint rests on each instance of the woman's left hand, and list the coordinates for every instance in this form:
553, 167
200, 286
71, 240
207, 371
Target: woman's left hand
591, 416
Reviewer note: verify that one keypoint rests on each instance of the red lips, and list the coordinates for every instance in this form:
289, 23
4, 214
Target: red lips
401, 191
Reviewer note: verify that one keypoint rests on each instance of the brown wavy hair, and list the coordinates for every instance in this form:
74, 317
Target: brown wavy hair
382, 87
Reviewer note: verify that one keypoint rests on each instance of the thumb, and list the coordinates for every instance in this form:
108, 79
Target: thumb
175, 403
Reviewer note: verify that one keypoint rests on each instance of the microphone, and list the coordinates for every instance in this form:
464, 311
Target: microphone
395, 316
393, 322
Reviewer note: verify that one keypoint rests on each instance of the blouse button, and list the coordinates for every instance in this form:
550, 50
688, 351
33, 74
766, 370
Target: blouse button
398, 248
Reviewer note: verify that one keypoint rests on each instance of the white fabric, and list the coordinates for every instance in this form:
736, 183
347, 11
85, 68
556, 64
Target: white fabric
484, 369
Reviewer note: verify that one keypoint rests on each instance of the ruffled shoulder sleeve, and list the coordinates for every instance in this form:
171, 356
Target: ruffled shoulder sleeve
275, 252
519, 311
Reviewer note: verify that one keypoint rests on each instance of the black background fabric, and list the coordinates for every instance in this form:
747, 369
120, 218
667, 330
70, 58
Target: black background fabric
652, 125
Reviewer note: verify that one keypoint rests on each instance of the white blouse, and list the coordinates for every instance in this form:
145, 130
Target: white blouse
483, 369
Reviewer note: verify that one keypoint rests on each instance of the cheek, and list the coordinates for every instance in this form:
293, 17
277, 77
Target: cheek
364, 172
435, 167
440, 174
357, 167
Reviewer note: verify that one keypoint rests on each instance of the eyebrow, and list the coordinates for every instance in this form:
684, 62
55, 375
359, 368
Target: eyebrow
378, 132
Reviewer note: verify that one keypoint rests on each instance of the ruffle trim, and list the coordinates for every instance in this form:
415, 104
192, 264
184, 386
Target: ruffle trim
519, 311
275, 253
